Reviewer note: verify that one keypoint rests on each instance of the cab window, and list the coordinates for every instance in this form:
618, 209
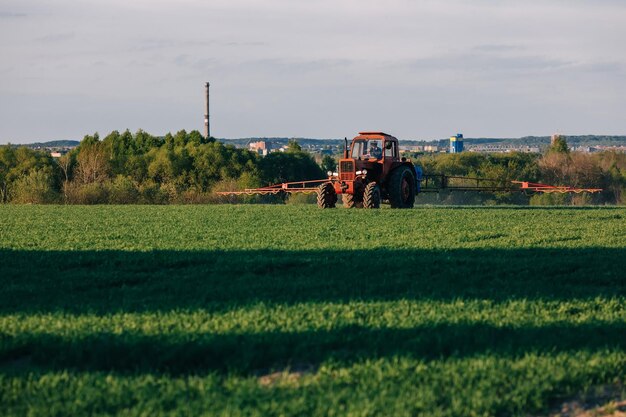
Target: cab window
359, 148
391, 150
367, 149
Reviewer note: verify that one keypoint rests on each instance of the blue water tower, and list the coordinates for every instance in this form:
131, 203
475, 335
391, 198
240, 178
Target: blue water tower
456, 143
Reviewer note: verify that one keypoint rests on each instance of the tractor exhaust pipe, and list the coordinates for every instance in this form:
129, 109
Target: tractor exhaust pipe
345, 148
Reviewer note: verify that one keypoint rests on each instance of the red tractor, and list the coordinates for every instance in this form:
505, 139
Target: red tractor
370, 172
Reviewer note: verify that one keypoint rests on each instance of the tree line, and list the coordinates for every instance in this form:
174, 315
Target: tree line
557, 166
127, 168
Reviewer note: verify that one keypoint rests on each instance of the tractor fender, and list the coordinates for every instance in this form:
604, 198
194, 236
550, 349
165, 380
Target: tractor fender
419, 175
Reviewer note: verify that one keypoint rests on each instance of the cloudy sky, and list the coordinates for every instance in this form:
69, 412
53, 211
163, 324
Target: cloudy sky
418, 69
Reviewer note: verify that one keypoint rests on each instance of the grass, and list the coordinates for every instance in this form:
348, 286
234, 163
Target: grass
291, 310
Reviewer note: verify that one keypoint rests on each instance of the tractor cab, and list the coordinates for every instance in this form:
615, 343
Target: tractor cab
371, 154
374, 147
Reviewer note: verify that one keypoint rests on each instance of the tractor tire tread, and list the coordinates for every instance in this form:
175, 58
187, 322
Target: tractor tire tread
349, 201
371, 196
326, 196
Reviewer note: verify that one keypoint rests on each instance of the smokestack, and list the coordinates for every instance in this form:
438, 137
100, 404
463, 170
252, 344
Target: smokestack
207, 128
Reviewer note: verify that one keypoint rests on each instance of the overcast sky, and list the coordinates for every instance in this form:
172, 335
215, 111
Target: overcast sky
418, 69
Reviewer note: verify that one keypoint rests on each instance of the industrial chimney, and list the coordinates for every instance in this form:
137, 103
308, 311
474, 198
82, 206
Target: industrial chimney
207, 130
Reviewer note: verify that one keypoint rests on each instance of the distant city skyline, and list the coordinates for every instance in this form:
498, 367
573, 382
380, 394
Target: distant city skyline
322, 69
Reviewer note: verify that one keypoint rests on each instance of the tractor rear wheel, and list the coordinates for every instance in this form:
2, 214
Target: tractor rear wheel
326, 196
402, 188
371, 196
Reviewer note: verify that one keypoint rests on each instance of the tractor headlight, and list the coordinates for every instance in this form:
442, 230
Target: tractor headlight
335, 174
329, 173
364, 172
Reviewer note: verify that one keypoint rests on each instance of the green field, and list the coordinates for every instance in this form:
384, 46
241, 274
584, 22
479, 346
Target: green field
291, 310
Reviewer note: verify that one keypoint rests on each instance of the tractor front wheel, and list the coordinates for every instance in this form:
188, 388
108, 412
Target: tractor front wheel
326, 196
402, 188
351, 201
356, 198
371, 196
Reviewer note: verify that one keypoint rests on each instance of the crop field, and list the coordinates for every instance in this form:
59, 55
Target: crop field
292, 310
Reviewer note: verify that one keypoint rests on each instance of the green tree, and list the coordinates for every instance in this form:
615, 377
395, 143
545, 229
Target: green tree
92, 161
559, 145
293, 146
180, 139
197, 138
66, 164
280, 167
144, 142
122, 190
37, 187
7, 163
16, 163
328, 163
120, 147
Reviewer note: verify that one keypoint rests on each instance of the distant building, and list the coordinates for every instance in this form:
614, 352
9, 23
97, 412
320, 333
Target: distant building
456, 143
504, 148
412, 148
255, 146
57, 153
259, 147
600, 148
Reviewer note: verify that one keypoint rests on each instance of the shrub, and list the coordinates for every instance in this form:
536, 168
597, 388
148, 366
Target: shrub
151, 193
301, 198
35, 188
171, 191
93, 193
550, 199
194, 196
246, 180
122, 190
